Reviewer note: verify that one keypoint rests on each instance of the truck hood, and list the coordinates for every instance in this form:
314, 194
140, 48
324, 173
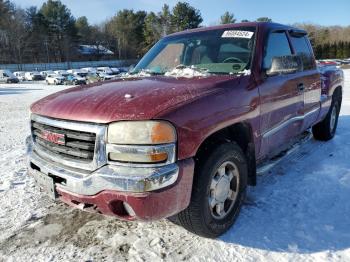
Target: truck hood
128, 99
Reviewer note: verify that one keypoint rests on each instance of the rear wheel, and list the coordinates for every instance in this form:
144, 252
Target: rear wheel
218, 192
326, 129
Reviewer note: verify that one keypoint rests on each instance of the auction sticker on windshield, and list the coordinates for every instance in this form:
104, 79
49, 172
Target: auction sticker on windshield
237, 34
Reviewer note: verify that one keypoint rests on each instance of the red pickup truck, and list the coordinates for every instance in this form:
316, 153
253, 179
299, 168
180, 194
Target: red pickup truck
182, 134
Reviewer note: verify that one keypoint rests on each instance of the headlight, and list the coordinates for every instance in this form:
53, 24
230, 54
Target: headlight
141, 133
141, 142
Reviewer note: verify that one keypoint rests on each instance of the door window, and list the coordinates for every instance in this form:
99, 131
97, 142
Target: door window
277, 45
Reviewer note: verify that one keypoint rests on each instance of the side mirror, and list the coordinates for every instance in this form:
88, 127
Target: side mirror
285, 65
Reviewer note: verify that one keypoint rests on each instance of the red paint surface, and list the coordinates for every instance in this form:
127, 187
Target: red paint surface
106, 102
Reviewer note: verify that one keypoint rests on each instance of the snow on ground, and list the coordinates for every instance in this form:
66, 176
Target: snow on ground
299, 211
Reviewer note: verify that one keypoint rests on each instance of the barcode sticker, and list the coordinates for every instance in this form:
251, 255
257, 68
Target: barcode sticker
238, 34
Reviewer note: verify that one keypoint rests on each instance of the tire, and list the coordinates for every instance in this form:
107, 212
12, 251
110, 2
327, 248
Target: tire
325, 130
202, 217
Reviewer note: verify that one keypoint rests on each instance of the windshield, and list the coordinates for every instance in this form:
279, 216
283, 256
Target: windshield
216, 52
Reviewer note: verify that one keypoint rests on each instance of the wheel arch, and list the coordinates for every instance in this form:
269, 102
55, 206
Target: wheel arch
338, 95
242, 134
338, 91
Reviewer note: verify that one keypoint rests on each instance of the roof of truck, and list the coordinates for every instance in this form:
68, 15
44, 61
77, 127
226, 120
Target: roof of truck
231, 26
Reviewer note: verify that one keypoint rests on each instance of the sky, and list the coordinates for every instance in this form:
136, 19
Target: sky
322, 12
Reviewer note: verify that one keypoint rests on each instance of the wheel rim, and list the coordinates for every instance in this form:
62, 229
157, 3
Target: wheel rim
333, 118
224, 190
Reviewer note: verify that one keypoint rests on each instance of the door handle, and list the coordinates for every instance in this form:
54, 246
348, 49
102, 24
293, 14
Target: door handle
301, 87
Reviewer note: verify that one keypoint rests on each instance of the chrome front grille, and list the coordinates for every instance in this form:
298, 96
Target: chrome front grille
73, 144
77, 145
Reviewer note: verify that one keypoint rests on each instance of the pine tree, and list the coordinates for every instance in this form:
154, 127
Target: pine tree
185, 17
227, 18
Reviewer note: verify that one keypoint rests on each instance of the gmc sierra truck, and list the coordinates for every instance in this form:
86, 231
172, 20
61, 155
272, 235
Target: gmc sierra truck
181, 136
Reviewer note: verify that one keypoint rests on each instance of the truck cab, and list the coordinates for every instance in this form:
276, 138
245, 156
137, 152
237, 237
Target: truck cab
181, 136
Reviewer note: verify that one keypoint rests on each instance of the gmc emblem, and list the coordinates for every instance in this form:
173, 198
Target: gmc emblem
52, 137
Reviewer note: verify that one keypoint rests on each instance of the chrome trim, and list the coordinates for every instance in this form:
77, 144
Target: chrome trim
288, 122
170, 149
108, 177
100, 143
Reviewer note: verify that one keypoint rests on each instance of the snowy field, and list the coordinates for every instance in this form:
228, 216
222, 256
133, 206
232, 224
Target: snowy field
300, 211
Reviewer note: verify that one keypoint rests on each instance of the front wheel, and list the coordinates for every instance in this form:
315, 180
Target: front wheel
218, 192
326, 129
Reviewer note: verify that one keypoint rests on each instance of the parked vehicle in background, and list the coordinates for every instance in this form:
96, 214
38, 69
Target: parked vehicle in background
115, 71
62, 72
55, 79
77, 72
80, 73
33, 76
71, 71
46, 73
123, 70
74, 80
182, 136
20, 75
105, 77
6, 76
104, 71
329, 62
90, 70
93, 78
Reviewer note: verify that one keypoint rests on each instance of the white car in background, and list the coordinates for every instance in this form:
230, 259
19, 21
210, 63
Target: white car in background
55, 79
33, 76
20, 75
105, 70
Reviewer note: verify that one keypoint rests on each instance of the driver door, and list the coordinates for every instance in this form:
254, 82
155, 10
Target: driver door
281, 100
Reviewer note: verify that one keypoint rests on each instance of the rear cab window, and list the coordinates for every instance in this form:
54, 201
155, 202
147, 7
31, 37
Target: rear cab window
302, 49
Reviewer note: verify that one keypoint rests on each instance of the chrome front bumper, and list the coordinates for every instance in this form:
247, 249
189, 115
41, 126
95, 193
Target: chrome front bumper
107, 177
